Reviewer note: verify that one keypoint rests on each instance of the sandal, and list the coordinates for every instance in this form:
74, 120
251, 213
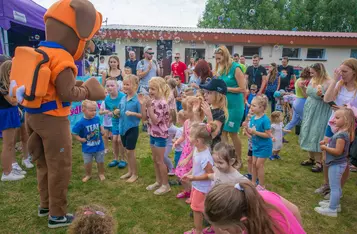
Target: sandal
317, 167
308, 162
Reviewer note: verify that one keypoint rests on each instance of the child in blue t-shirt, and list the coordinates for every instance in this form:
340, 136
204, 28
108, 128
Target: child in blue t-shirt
262, 144
130, 116
89, 132
251, 96
112, 101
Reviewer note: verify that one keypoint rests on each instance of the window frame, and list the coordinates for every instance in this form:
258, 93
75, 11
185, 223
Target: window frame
324, 57
251, 56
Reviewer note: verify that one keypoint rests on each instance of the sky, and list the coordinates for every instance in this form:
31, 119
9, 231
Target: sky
180, 13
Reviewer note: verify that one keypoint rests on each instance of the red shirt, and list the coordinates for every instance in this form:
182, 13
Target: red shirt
178, 69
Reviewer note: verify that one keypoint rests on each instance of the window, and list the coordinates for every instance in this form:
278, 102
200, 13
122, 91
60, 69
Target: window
194, 53
230, 49
249, 51
316, 53
354, 53
291, 52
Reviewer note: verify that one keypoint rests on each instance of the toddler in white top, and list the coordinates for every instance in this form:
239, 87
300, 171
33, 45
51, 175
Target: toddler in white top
277, 133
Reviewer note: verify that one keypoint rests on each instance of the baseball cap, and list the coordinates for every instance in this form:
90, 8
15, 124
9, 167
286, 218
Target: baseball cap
147, 48
215, 85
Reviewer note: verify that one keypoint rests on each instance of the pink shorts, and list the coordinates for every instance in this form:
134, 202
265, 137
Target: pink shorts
197, 200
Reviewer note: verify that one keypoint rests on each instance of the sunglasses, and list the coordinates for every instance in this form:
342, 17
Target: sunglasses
151, 53
177, 57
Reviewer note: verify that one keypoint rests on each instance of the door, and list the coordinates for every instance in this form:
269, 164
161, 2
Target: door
164, 55
139, 52
194, 53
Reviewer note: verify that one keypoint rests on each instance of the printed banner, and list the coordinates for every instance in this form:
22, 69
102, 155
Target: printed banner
76, 108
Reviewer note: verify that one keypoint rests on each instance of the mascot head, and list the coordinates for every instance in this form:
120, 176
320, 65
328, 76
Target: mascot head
72, 24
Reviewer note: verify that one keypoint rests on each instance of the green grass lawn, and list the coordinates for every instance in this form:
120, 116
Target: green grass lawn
139, 211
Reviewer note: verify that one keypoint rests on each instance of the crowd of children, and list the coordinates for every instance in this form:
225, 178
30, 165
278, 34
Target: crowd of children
190, 122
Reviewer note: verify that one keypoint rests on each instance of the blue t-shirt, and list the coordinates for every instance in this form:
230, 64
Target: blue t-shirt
262, 147
143, 66
90, 130
113, 104
132, 64
127, 122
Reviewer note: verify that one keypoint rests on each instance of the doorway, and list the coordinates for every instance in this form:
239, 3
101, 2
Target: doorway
139, 52
194, 53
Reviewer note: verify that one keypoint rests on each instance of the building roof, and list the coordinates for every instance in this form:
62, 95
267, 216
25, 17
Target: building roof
231, 31
230, 36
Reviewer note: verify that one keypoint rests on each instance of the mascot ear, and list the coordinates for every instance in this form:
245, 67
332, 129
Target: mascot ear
85, 16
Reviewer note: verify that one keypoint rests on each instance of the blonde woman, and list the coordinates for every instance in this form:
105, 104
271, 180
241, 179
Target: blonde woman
316, 115
231, 73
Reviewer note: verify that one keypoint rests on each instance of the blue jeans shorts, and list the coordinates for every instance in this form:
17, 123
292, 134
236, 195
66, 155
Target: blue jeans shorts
108, 128
328, 132
158, 142
115, 131
98, 156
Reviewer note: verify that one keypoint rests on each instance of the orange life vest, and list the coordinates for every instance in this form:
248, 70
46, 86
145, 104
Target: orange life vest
37, 70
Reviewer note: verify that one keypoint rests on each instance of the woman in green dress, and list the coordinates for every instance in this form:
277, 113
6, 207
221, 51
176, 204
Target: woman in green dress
316, 115
231, 73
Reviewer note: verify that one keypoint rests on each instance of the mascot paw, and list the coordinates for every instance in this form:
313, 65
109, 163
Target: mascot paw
79, 83
95, 89
20, 94
13, 84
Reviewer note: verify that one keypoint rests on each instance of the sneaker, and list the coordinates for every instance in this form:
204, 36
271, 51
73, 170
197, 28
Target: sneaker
272, 157
326, 211
27, 163
326, 204
323, 190
162, 190
153, 186
60, 221
42, 212
249, 176
122, 164
113, 163
29, 157
17, 169
12, 176
277, 157
171, 172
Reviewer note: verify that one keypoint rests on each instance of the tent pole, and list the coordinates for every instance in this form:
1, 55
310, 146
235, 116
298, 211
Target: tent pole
6, 44
2, 40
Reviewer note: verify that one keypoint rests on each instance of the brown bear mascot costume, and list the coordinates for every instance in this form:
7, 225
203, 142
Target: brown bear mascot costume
46, 86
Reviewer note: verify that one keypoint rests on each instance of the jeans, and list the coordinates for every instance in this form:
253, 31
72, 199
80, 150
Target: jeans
298, 111
271, 98
167, 160
334, 175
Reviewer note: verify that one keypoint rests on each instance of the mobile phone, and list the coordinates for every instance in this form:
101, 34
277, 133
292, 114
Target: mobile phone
332, 103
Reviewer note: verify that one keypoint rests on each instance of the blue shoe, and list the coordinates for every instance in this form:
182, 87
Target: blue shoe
277, 157
122, 164
249, 176
60, 221
257, 182
272, 157
113, 163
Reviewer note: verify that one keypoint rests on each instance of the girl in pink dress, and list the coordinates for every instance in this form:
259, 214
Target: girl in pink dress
190, 106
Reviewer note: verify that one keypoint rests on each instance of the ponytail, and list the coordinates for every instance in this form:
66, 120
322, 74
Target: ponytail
204, 131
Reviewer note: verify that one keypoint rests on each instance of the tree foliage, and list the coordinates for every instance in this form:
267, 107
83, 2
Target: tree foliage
301, 15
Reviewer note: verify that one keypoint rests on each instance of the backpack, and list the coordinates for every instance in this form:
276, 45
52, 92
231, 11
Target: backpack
30, 69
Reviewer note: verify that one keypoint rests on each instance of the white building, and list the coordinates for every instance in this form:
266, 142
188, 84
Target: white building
303, 48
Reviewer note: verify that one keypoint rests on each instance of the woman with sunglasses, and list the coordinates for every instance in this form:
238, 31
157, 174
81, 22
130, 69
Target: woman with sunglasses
316, 115
231, 73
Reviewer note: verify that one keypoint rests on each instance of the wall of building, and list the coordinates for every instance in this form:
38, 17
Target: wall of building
333, 55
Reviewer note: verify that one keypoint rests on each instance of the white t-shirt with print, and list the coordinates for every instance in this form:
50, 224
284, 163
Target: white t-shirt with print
200, 161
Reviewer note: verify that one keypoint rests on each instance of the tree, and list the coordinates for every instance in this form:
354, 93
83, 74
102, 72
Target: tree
303, 15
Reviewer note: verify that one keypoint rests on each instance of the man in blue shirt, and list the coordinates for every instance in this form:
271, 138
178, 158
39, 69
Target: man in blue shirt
132, 62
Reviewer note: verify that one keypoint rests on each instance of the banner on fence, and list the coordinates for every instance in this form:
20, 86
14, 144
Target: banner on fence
76, 108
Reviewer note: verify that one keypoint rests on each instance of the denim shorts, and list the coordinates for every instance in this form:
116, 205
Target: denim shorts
108, 128
328, 132
158, 142
115, 131
98, 156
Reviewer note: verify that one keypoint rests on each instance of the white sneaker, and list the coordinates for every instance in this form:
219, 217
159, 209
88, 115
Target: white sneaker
11, 177
27, 163
17, 169
326, 211
326, 204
